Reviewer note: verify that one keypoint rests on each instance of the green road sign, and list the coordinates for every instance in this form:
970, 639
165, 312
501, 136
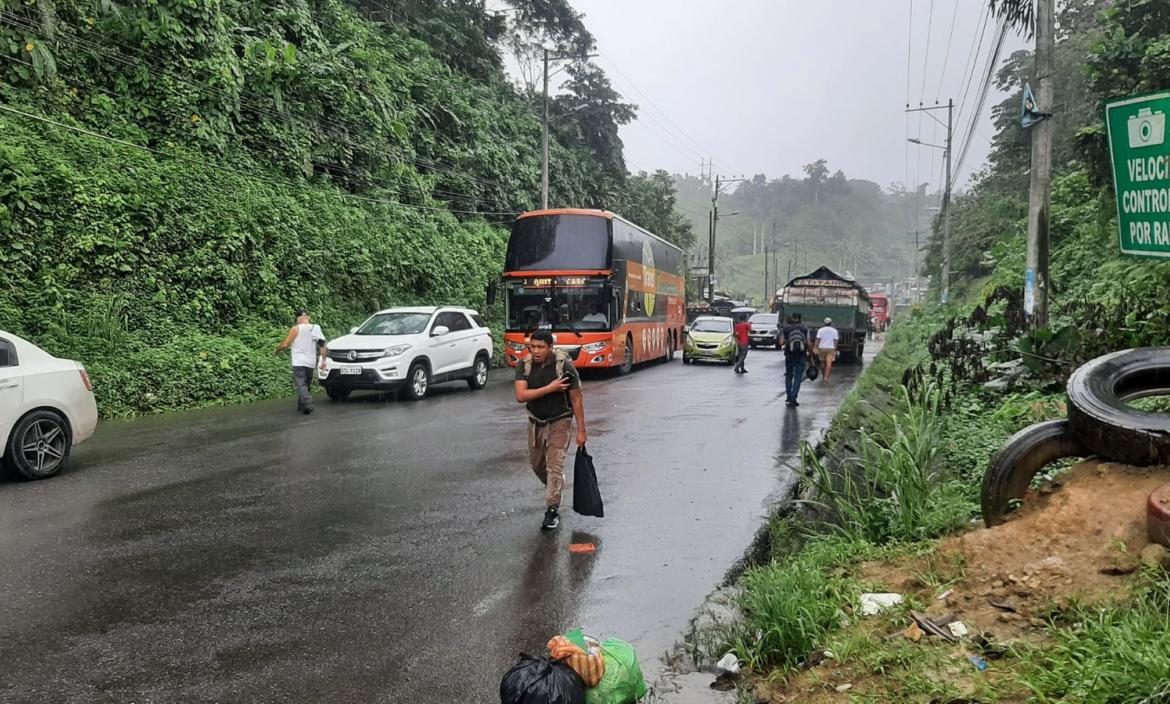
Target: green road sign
1140, 148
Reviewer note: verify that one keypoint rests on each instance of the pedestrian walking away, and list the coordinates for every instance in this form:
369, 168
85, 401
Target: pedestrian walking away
826, 347
307, 343
794, 338
743, 331
549, 386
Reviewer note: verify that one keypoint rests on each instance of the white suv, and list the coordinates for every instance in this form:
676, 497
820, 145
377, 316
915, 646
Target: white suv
409, 349
46, 407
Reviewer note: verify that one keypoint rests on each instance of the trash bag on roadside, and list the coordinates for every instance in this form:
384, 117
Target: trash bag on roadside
622, 682
586, 493
541, 681
811, 370
585, 659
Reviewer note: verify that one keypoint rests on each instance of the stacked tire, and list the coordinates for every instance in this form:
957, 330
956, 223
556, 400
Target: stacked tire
1100, 423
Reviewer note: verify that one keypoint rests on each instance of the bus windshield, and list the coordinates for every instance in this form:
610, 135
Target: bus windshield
564, 242
579, 308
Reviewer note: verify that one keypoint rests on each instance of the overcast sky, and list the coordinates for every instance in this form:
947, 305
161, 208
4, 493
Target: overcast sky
765, 86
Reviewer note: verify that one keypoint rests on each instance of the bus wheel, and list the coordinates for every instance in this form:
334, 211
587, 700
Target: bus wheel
628, 360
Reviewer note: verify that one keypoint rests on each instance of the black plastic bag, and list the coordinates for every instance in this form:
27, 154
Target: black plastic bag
541, 681
811, 370
586, 493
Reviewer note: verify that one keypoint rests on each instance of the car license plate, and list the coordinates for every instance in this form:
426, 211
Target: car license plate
351, 370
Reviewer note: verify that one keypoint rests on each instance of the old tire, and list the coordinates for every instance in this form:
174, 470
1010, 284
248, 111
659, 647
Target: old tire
39, 445
1012, 468
1098, 393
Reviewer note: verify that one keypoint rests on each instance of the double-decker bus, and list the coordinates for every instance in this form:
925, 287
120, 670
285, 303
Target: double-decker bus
611, 292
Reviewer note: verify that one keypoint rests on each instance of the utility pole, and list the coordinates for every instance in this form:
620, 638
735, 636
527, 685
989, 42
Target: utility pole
946, 205
711, 243
1040, 191
544, 151
544, 158
946, 272
711, 252
917, 284
766, 255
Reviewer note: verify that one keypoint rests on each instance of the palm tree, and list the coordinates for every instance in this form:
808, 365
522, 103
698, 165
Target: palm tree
1019, 14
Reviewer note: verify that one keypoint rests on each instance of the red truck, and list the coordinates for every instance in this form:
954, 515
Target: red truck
879, 311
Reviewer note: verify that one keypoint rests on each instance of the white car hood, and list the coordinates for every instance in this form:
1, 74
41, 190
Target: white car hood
370, 342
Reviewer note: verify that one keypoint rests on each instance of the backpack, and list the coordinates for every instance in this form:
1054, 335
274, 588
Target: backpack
796, 342
559, 355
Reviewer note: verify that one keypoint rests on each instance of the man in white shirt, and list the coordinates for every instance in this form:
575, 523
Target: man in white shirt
306, 341
826, 347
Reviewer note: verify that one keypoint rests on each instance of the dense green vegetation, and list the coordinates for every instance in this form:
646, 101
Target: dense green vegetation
177, 176
903, 461
822, 219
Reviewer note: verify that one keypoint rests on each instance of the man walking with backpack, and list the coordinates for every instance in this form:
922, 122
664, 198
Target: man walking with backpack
549, 384
794, 339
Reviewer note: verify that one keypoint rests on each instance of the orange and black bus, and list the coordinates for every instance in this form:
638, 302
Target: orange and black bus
611, 292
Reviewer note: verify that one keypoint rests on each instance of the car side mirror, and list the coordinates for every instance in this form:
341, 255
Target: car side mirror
353, 330
492, 290
440, 330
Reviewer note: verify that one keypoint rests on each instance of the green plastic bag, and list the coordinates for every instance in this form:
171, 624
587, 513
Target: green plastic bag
623, 682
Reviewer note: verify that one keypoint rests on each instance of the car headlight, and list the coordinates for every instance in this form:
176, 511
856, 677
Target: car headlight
594, 347
774, 332
394, 351
517, 346
729, 340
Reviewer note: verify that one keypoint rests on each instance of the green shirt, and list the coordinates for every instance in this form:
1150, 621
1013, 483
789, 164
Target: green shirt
553, 406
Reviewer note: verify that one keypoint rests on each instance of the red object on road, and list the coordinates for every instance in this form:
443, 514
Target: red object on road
582, 548
743, 331
1158, 515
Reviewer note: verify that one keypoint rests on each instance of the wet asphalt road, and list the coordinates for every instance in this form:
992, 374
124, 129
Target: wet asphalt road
379, 551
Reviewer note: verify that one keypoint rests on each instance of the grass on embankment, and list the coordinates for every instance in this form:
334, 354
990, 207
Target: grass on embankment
903, 472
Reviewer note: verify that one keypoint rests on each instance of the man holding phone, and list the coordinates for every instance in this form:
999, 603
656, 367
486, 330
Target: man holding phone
549, 385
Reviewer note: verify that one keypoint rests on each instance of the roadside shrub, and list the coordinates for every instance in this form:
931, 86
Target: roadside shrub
790, 605
1111, 654
895, 489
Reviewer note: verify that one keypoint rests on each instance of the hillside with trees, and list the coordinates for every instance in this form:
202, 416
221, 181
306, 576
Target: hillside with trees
821, 219
177, 176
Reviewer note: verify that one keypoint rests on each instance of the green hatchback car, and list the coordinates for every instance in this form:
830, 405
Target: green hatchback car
710, 338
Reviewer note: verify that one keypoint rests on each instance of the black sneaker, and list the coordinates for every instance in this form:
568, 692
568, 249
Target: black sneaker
552, 519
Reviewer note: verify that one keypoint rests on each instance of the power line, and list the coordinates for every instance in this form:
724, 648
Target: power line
973, 60
992, 62
946, 56
702, 151
926, 55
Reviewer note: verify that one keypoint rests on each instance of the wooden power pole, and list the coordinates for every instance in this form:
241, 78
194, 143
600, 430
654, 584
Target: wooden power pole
1040, 192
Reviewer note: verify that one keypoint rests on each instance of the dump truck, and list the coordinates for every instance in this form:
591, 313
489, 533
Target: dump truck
826, 294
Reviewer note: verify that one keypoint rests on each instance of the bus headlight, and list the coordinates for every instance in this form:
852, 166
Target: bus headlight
517, 347
594, 347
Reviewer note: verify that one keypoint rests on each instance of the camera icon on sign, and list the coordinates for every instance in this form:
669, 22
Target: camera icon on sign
1147, 128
